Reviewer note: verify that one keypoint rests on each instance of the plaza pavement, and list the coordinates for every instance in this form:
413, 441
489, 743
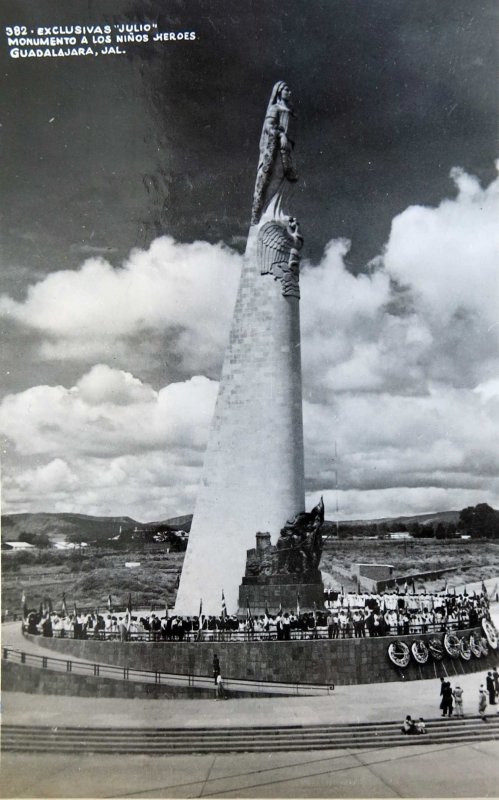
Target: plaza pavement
457, 770
444, 770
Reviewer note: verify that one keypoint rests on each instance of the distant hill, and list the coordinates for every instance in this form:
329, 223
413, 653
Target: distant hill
59, 526
436, 516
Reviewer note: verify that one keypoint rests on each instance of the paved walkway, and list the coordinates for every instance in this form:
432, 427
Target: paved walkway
415, 771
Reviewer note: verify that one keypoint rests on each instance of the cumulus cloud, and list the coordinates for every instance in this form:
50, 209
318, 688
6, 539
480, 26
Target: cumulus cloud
147, 486
401, 363
183, 291
380, 503
110, 444
426, 311
108, 412
400, 372
421, 445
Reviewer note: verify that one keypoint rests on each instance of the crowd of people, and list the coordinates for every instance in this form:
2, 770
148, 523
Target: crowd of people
345, 616
394, 613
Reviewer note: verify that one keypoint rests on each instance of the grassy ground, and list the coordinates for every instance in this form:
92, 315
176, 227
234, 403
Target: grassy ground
474, 560
88, 578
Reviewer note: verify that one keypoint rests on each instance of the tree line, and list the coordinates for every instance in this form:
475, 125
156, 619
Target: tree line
479, 522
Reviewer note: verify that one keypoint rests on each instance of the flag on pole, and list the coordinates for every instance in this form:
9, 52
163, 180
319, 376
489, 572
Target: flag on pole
315, 614
64, 608
166, 609
266, 618
109, 603
224, 606
465, 592
249, 617
128, 613
406, 586
298, 604
413, 586
24, 604
200, 619
75, 610
484, 589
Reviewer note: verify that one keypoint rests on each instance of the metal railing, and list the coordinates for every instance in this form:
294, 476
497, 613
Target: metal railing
156, 677
321, 632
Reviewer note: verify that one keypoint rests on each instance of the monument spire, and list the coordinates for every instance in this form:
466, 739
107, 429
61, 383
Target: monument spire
253, 474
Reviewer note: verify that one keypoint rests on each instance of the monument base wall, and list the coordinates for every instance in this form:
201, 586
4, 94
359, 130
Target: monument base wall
272, 595
36, 680
325, 661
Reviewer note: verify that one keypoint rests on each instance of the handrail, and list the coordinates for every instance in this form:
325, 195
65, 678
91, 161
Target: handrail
207, 635
154, 676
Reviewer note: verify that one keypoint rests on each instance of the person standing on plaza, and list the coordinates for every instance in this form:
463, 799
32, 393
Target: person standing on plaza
491, 688
495, 675
458, 699
482, 703
447, 699
216, 668
220, 692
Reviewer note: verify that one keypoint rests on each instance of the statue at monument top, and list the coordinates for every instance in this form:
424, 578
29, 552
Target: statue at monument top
274, 140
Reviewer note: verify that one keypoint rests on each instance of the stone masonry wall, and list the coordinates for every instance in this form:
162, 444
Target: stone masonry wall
36, 680
324, 661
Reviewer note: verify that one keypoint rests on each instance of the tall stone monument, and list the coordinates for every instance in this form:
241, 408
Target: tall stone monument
253, 475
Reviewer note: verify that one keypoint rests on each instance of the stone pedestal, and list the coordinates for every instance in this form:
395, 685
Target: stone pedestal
281, 591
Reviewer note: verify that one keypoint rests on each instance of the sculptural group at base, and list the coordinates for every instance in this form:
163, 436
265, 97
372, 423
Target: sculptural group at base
286, 574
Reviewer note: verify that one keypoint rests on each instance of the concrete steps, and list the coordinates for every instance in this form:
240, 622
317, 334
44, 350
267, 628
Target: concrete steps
165, 741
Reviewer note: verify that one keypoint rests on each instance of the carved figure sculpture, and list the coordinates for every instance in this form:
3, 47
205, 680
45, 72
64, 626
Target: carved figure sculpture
297, 551
304, 540
279, 254
274, 139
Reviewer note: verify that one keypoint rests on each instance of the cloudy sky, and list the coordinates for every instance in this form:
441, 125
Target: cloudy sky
126, 189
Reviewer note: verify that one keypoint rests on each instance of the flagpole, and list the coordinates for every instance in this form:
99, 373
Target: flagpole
24, 604
335, 462
200, 619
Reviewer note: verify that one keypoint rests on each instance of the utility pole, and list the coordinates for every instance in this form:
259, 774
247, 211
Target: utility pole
335, 461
